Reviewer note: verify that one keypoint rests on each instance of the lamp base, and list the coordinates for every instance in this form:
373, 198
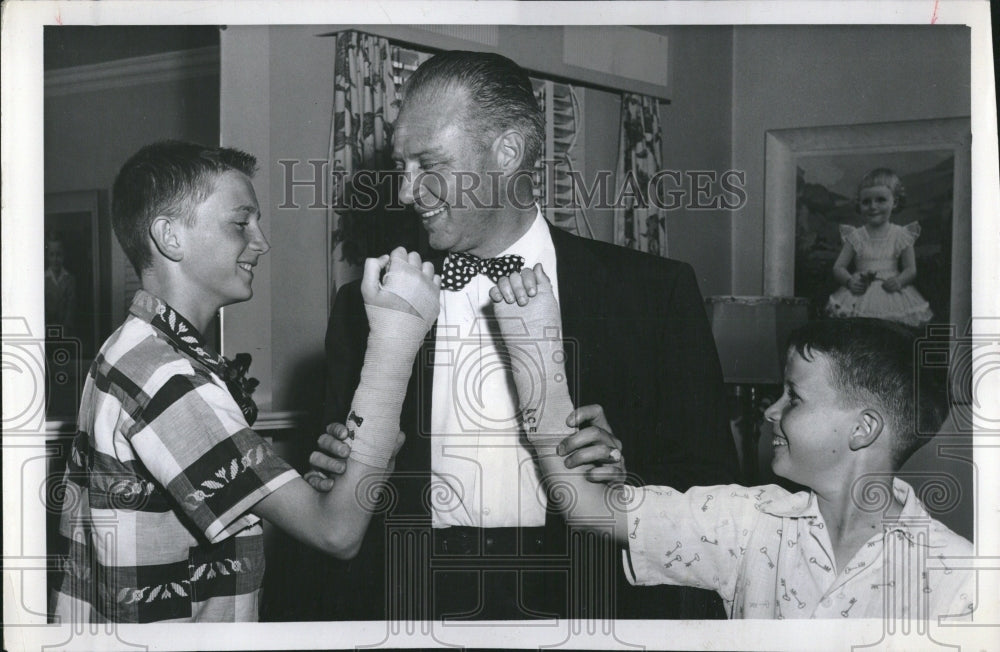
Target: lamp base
746, 415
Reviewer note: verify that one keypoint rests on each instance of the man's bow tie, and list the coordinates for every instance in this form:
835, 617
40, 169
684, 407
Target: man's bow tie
458, 269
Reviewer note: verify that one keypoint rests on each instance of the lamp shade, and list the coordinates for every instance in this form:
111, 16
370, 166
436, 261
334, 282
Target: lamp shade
751, 334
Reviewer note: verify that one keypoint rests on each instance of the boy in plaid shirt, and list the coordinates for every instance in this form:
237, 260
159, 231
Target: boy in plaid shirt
166, 482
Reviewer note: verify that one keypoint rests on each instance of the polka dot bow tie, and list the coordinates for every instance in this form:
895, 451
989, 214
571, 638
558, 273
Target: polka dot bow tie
459, 269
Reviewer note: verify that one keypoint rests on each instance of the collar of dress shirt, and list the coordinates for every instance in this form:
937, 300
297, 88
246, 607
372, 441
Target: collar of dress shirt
912, 514
804, 505
177, 330
532, 245
776, 501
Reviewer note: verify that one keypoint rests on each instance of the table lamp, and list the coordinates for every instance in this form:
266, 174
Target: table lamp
751, 333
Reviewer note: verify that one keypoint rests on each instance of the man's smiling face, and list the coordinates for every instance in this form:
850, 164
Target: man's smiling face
436, 152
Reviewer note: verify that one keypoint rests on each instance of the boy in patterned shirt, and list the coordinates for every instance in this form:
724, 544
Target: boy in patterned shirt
166, 482
859, 544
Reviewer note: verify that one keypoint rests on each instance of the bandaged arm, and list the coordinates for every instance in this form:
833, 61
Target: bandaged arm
373, 421
532, 335
401, 309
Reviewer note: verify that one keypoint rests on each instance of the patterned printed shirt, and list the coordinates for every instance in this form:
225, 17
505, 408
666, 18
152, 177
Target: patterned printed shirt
767, 553
162, 473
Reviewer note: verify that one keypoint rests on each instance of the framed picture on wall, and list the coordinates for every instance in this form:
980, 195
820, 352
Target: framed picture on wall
812, 176
811, 203
77, 232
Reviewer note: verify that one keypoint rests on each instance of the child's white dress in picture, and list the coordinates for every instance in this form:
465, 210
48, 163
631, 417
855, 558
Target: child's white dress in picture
878, 259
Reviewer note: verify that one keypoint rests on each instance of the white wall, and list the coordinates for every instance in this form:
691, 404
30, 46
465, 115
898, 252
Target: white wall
277, 90
697, 135
97, 115
785, 77
90, 133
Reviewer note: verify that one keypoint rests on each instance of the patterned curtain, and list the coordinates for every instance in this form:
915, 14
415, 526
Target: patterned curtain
365, 103
638, 223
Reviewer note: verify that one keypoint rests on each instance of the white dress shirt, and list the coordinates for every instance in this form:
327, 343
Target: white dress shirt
483, 474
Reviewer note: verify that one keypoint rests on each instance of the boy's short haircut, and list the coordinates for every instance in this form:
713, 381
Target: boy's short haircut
872, 363
889, 179
168, 178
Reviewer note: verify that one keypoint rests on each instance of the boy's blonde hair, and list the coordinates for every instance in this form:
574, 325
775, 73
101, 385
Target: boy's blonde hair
166, 178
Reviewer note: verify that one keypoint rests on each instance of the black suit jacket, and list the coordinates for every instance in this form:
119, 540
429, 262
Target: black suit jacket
638, 343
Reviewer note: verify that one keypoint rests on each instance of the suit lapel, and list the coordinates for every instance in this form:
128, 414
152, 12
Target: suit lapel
581, 277
425, 369
424, 372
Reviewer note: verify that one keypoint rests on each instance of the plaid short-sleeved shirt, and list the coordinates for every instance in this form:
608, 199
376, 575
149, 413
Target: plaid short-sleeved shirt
163, 471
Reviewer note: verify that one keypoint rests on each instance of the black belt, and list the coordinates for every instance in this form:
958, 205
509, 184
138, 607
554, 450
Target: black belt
489, 541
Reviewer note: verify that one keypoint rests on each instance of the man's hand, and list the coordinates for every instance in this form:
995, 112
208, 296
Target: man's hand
593, 445
330, 460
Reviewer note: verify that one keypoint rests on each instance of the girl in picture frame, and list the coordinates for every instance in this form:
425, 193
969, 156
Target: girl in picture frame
885, 265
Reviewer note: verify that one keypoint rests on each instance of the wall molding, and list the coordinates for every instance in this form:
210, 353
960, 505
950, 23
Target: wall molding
485, 34
541, 50
266, 421
133, 71
289, 420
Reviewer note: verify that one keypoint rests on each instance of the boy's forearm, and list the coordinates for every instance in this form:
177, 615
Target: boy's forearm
347, 508
333, 522
373, 421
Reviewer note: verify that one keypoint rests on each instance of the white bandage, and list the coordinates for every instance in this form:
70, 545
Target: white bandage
373, 421
544, 409
532, 334
408, 283
393, 341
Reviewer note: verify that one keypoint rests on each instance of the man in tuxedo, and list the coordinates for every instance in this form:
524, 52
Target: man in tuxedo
465, 529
